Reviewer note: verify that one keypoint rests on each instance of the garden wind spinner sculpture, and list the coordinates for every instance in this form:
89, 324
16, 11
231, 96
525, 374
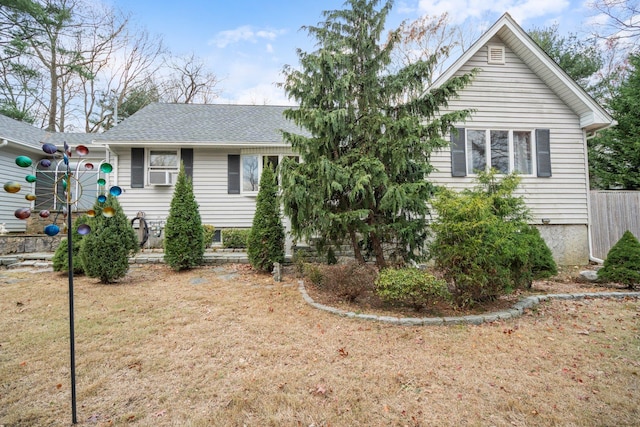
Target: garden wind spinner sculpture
67, 192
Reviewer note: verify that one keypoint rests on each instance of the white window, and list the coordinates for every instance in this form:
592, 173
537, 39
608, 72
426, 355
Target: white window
504, 150
163, 166
251, 167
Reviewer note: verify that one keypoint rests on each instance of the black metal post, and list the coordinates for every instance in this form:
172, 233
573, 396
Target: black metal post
72, 346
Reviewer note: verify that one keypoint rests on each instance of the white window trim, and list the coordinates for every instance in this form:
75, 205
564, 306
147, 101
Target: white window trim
487, 141
170, 169
261, 157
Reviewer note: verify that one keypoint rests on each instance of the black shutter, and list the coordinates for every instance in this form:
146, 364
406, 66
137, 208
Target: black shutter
186, 155
233, 174
543, 152
458, 153
137, 168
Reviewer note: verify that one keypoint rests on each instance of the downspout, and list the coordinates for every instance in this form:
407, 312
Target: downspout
3, 142
592, 257
114, 164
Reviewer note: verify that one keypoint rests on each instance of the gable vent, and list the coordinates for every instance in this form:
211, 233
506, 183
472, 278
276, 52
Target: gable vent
495, 54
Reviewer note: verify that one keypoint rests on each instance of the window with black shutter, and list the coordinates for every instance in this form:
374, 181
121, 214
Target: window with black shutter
233, 174
458, 153
137, 167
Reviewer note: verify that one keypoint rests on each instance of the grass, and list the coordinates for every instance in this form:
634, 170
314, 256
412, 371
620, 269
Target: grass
226, 347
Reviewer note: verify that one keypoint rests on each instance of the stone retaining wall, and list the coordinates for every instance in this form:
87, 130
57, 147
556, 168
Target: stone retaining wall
28, 243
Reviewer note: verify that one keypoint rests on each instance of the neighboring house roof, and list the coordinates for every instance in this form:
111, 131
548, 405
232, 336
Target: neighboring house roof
592, 116
20, 133
31, 137
202, 124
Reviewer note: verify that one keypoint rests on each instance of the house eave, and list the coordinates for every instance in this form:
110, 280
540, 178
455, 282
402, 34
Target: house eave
191, 144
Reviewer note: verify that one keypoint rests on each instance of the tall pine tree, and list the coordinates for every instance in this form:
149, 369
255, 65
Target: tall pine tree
614, 155
183, 233
367, 151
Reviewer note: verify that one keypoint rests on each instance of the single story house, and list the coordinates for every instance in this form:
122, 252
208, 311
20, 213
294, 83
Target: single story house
530, 117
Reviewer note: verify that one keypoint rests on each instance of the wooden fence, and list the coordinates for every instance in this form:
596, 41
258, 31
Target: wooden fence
613, 213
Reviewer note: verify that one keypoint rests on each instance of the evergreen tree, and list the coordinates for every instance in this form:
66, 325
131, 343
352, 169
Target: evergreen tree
614, 155
60, 258
579, 59
367, 150
105, 251
623, 262
265, 245
183, 232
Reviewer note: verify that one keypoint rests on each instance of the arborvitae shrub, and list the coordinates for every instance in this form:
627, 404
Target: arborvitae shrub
183, 232
622, 264
265, 245
60, 258
105, 251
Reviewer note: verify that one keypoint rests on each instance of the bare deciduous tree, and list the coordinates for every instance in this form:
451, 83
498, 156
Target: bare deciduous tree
621, 19
189, 82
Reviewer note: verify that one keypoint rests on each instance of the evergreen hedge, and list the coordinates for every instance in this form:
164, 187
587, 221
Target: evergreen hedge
60, 258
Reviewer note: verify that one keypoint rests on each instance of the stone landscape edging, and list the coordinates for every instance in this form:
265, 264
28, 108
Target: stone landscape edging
514, 312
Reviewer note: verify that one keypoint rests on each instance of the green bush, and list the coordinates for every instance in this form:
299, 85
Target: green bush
60, 258
622, 264
235, 238
483, 244
105, 251
265, 244
411, 286
209, 231
183, 232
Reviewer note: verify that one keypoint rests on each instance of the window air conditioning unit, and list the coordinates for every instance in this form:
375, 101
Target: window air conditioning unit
160, 177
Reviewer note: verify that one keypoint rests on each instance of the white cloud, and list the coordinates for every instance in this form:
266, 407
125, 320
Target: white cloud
243, 33
521, 10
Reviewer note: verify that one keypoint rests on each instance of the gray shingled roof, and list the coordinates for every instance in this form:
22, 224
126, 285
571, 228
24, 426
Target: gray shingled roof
20, 132
31, 136
202, 124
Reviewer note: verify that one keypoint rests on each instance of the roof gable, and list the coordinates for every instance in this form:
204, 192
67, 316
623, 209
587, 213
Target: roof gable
592, 115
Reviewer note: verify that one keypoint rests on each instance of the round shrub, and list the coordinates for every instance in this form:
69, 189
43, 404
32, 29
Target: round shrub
622, 264
411, 286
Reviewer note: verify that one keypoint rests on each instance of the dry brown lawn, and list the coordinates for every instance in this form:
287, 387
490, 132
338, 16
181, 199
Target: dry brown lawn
222, 346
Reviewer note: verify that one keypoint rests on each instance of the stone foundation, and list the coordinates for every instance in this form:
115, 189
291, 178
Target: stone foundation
28, 243
568, 243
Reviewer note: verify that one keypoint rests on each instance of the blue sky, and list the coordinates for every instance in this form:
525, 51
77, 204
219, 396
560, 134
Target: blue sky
247, 42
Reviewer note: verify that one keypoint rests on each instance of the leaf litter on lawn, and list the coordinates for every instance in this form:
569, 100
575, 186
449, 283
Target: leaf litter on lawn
154, 349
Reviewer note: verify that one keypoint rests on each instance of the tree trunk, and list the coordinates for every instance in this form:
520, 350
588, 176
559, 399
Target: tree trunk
356, 248
377, 250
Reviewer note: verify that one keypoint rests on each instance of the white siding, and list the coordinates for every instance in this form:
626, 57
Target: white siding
511, 96
216, 207
9, 202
